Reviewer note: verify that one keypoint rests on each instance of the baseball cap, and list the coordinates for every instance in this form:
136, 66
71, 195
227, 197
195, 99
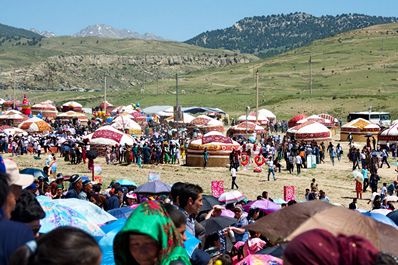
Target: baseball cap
9, 167
75, 178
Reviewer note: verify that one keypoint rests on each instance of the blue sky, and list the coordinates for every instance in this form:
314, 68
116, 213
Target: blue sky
171, 19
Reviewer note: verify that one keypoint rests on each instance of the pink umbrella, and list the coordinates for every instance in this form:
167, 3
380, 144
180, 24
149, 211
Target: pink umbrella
227, 213
254, 259
266, 206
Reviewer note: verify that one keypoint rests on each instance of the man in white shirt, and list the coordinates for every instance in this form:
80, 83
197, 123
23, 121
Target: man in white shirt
299, 161
271, 168
233, 176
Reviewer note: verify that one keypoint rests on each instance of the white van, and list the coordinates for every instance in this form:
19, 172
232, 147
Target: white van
382, 119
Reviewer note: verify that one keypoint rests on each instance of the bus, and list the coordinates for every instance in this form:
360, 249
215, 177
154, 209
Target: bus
382, 119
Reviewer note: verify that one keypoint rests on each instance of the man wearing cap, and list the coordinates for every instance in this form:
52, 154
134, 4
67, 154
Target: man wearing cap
113, 202
12, 234
240, 232
85, 194
75, 188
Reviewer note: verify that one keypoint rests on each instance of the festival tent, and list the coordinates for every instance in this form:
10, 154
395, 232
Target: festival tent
246, 129
35, 125
327, 122
360, 129
109, 106
10, 104
158, 110
261, 120
72, 105
310, 131
8, 130
47, 110
128, 109
124, 123
389, 135
293, 121
206, 124
394, 122
12, 117
70, 115
109, 136
218, 146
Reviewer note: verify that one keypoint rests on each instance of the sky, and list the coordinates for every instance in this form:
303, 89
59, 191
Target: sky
177, 20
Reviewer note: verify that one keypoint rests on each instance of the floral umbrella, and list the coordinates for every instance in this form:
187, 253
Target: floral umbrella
257, 259
35, 125
231, 197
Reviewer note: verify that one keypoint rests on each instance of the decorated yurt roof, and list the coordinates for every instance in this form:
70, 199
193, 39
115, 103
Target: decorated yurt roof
72, 115
35, 125
293, 121
390, 134
214, 138
252, 117
249, 126
311, 130
72, 104
318, 119
205, 121
12, 115
360, 124
44, 106
187, 118
125, 124
107, 135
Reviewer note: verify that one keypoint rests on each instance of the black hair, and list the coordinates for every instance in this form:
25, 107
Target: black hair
291, 202
176, 191
189, 191
175, 214
4, 188
61, 246
385, 259
27, 209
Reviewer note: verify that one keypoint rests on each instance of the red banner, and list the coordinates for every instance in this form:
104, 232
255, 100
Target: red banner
216, 138
107, 134
289, 193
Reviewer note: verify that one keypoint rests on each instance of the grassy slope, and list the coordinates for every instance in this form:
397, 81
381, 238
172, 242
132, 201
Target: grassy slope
351, 72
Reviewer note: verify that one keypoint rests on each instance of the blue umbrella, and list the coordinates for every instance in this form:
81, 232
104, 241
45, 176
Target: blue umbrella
123, 212
126, 182
90, 211
36, 172
106, 242
58, 215
191, 243
154, 187
393, 216
381, 218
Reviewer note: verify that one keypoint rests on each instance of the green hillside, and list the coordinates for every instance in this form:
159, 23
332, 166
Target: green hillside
351, 72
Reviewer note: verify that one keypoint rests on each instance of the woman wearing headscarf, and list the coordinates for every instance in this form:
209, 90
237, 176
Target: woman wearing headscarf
320, 247
149, 237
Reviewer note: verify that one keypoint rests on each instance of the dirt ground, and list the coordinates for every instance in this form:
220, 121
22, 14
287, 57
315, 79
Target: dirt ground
336, 180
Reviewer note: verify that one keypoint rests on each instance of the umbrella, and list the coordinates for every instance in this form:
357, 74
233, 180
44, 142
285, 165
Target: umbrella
36, 172
126, 182
381, 211
276, 251
391, 198
279, 201
35, 125
123, 212
208, 203
255, 259
92, 212
215, 224
231, 197
106, 242
265, 205
227, 213
357, 175
293, 220
154, 187
92, 154
381, 218
191, 243
58, 215
393, 216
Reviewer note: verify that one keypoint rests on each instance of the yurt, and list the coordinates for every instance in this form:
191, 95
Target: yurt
12, 117
35, 125
72, 115
359, 129
261, 120
293, 121
108, 136
187, 118
389, 135
127, 125
10, 104
245, 129
72, 105
47, 110
8, 130
109, 106
310, 131
206, 124
218, 146
267, 114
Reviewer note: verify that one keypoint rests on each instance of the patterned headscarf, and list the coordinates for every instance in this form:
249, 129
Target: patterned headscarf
319, 246
150, 219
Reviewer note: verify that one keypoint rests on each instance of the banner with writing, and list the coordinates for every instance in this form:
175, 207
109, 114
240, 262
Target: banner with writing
217, 188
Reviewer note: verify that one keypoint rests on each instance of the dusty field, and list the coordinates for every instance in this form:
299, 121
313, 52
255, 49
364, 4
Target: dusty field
336, 181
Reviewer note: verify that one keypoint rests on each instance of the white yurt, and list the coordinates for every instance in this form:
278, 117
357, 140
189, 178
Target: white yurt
310, 131
389, 135
218, 146
206, 124
72, 105
47, 110
245, 129
127, 125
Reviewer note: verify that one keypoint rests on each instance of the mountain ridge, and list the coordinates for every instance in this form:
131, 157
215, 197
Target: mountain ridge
107, 31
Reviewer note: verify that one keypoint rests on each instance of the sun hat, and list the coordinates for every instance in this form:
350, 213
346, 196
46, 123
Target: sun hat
9, 167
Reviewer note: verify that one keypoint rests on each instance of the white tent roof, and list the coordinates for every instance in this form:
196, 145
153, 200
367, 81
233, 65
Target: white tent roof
72, 104
310, 130
107, 135
360, 124
205, 121
125, 123
391, 131
252, 118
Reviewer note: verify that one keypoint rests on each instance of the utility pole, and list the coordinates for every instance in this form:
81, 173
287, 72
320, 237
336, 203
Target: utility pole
310, 64
176, 115
256, 96
15, 84
105, 95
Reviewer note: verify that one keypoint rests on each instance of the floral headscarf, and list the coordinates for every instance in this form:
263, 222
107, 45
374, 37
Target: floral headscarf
150, 219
